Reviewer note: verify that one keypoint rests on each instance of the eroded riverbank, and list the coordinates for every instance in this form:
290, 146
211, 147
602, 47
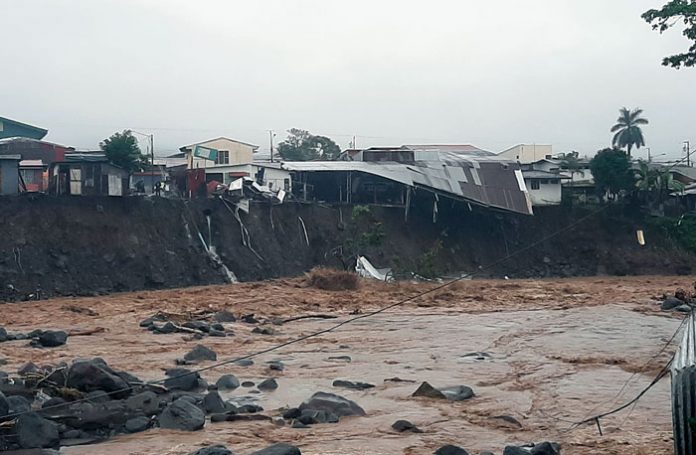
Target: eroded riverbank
556, 351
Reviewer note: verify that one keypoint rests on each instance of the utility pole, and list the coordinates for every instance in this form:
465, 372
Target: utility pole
270, 137
687, 148
152, 149
649, 159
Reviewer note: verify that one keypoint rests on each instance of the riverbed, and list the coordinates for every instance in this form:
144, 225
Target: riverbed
539, 355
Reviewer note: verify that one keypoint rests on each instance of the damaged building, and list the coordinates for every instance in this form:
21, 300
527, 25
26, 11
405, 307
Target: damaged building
393, 176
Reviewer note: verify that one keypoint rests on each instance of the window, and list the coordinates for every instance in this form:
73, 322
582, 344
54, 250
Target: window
223, 157
29, 176
535, 184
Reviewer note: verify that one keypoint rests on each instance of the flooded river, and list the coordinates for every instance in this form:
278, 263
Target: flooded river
546, 367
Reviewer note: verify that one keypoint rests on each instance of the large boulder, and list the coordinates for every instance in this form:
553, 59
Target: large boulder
137, 424
213, 450
279, 449
331, 403
670, 303
426, 390
181, 379
33, 431
213, 403
546, 448
88, 376
52, 338
18, 404
146, 403
182, 415
227, 382
268, 385
200, 353
451, 450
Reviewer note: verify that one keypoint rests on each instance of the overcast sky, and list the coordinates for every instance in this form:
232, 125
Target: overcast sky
490, 73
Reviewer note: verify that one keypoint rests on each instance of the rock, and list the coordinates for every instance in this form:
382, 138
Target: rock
451, 450
249, 409
428, 391
4, 405
508, 420
219, 417
88, 376
291, 413
244, 362
57, 401
329, 402
546, 448
670, 303
97, 396
263, 331
227, 382
248, 384
213, 403
28, 368
217, 326
199, 353
182, 415
33, 431
166, 328
341, 358
276, 365
147, 322
268, 384
298, 424
197, 325
457, 393
146, 402
249, 319
404, 425
18, 404
217, 333
514, 450
313, 416
34, 333
213, 450
352, 385
52, 338
181, 379
224, 316
137, 424
683, 309
279, 449
3, 334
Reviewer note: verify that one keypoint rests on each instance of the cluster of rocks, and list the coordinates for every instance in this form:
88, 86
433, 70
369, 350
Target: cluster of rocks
162, 324
676, 304
544, 448
89, 401
322, 407
38, 337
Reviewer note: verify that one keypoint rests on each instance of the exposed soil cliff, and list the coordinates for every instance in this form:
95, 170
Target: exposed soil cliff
80, 245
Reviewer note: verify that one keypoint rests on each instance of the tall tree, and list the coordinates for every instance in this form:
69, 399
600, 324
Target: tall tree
300, 145
611, 169
666, 17
627, 130
122, 150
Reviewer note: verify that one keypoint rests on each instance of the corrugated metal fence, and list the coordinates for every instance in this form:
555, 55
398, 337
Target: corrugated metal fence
684, 392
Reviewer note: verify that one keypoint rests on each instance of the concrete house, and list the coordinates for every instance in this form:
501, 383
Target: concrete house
13, 128
229, 152
528, 153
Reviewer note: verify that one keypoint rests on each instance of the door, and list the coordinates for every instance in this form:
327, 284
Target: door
115, 185
76, 181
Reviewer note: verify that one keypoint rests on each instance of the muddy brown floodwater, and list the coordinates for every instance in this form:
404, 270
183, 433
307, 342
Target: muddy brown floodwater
556, 351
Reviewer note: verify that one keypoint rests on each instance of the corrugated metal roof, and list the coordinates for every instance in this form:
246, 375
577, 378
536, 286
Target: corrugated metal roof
478, 179
466, 149
535, 174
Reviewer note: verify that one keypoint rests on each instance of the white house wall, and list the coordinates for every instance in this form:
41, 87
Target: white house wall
547, 194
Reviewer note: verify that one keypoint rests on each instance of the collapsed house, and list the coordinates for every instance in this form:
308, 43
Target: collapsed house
392, 176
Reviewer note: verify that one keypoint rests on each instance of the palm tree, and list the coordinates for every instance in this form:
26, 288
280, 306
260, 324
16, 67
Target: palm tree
628, 133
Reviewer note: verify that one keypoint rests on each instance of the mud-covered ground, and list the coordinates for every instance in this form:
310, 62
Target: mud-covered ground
557, 351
